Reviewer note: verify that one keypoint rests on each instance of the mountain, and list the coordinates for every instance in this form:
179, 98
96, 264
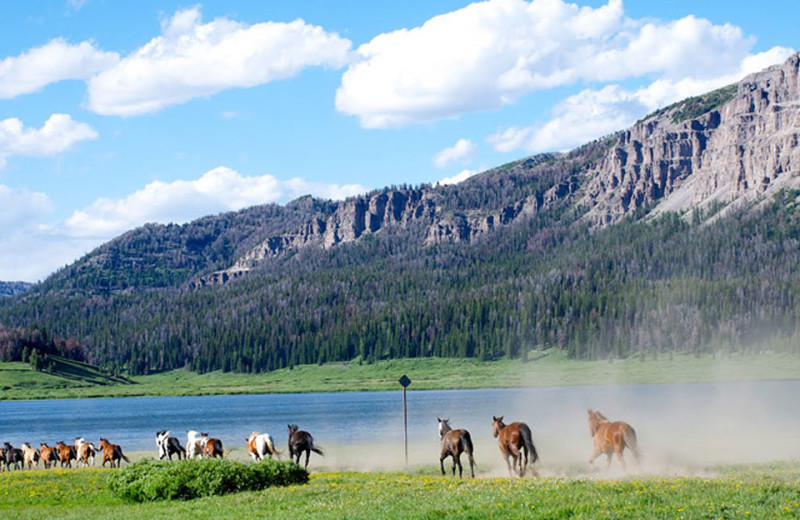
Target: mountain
12, 288
676, 235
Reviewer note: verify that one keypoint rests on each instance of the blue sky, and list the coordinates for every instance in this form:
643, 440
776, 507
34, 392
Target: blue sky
114, 113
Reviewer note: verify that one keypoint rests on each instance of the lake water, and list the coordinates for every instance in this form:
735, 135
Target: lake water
682, 423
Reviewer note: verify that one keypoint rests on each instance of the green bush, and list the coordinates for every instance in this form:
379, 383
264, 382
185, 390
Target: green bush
149, 479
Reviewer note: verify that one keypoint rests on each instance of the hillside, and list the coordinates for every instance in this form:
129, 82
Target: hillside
676, 235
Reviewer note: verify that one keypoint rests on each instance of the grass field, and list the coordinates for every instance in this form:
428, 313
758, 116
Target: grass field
763, 491
18, 381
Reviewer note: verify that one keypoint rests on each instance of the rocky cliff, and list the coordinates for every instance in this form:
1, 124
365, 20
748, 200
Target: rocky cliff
730, 146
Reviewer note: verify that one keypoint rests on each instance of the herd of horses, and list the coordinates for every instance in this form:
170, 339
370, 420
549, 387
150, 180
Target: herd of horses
515, 441
516, 445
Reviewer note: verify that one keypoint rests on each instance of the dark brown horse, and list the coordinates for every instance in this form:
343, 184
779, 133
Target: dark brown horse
515, 440
12, 455
611, 437
212, 447
111, 453
454, 443
301, 441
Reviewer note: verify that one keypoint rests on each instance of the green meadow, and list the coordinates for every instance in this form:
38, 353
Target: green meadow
762, 491
550, 368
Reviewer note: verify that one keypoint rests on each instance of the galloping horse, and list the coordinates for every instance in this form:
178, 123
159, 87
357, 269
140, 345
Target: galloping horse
515, 440
454, 443
211, 447
85, 452
611, 438
66, 454
111, 453
48, 455
11, 456
301, 441
168, 445
194, 444
260, 445
30, 455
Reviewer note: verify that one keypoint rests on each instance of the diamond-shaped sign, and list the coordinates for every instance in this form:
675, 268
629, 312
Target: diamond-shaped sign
404, 381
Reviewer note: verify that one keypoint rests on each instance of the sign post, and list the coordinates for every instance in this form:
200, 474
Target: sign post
404, 382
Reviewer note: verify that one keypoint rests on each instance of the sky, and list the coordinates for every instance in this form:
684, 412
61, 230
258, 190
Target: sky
114, 113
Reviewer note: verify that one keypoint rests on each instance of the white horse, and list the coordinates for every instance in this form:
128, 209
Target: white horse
195, 444
260, 445
84, 452
167, 445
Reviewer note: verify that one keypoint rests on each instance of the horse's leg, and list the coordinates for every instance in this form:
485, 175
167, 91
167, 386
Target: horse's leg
523, 460
608, 460
441, 462
596, 453
308, 454
460, 468
620, 458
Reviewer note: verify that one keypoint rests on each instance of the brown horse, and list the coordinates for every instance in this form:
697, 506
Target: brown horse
611, 437
454, 443
301, 441
111, 453
66, 454
48, 455
211, 447
12, 455
515, 440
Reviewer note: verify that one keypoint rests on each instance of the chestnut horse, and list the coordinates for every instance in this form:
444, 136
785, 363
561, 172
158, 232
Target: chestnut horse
301, 441
515, 440
66, 454
454, 443
211, 447
259, 445
111, 453
48, 455
611, 437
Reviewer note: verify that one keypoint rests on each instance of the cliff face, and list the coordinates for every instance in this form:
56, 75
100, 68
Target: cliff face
737, 152
729, 146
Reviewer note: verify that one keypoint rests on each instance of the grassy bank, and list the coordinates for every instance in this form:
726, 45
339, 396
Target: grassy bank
770, 491
18, 381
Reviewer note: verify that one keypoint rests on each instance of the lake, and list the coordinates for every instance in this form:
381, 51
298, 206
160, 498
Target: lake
684, 424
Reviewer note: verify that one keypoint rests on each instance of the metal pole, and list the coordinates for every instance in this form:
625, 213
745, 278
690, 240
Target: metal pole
405, 424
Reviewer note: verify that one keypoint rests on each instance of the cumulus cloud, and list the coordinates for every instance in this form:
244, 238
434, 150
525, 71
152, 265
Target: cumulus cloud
191, 59
55, 61
218, 190
491, 53
58, 134
593, 113
455, 179
461, 152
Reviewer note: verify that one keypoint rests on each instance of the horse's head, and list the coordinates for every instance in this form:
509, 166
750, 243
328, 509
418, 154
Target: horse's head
444, 426
103, 443
497, 425
595, 420
292, 428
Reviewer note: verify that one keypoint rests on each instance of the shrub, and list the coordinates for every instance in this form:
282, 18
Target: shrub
149, 479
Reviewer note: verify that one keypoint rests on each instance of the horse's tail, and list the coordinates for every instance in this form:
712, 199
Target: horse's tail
315, 449
527, 437
629, 434
271, 447
466, 441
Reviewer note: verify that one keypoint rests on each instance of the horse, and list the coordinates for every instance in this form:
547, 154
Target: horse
515, 440
48, 455
194, 444
111, 453
168, 445
454, 443
30, 455
212, 447
11, 456
260, 445
66, 454
85, 452
611, 437
301, 441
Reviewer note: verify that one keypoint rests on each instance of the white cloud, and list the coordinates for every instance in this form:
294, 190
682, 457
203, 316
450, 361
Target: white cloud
191, 59
491, 53
58, 134
218, 190
462, 152
55, 61
593, 113
455, 179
